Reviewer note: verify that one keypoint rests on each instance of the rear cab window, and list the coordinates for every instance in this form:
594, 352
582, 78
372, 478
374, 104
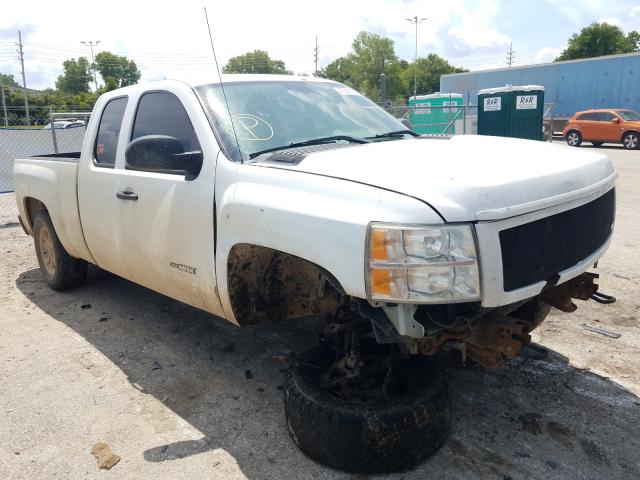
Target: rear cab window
106, 144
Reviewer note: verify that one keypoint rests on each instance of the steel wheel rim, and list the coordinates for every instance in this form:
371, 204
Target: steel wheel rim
631, 141
45, 243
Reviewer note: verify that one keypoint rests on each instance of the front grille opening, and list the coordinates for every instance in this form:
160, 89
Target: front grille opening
538, 250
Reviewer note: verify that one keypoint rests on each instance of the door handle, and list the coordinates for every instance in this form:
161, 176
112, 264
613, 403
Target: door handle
127, 195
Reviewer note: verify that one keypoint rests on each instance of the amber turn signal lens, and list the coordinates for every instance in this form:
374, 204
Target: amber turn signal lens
380, 282
378, 246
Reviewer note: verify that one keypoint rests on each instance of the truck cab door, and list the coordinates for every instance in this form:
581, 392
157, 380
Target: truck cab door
166, 198
97, 184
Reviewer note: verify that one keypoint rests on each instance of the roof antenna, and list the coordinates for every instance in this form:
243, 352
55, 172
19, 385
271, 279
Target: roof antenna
215, 58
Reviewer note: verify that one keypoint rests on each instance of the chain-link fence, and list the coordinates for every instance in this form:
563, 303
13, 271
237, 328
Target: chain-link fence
64, 133
454, 120
439, 120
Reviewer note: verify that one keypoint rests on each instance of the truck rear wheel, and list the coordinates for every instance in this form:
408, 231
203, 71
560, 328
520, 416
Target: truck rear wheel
364, 432
60, 270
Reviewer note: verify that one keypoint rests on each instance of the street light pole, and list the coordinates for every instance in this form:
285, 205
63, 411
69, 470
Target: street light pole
91, 44
416, 21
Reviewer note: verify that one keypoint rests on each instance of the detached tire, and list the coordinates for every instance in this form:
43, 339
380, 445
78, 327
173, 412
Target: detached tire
60, 270
381, 436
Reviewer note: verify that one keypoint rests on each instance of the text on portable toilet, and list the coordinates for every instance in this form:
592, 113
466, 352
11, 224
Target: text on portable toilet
492, 104
526, 102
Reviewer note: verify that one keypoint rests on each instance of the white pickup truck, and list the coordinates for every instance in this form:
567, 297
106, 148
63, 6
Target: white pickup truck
270, 197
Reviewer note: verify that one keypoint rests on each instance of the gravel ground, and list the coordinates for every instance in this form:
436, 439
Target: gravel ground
178, 394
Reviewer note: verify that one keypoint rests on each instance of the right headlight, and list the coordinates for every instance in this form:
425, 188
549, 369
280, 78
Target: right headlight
422, 264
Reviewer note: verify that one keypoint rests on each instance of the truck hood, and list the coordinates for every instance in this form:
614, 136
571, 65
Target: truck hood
468, 177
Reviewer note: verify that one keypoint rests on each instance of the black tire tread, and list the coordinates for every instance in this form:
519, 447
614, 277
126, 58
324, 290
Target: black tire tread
70, 271
366, 438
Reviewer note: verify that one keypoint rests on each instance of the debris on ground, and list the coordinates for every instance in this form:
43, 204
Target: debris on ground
104, 456
601, 331
248, 374
156, 365
86, 306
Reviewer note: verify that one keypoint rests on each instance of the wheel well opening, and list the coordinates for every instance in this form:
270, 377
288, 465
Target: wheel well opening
32, 207
270, 285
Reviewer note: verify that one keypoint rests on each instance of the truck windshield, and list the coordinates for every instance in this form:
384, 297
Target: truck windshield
629, 115
270, 114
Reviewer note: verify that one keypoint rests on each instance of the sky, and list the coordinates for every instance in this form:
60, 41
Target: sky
171, 41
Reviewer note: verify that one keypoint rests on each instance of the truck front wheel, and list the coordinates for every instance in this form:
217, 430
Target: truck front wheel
363, 417
60, 270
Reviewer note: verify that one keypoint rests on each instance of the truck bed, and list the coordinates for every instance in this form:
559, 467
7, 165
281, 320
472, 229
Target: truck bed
52, 179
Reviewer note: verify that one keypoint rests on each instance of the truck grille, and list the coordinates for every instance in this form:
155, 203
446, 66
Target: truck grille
538, 250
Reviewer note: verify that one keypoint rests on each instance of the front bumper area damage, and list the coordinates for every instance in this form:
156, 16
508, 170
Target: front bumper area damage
487, 336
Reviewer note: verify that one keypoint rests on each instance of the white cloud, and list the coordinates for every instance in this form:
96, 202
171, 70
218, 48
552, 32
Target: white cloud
467, 38
611, 21
547, 54
635, 11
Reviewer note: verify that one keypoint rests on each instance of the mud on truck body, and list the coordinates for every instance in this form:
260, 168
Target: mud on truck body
280, 197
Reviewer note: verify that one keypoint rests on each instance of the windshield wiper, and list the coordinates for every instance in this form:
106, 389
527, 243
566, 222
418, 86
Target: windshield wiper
313, 141
396, 133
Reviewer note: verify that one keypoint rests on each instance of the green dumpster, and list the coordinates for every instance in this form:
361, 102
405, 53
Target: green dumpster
437, 114
511, 111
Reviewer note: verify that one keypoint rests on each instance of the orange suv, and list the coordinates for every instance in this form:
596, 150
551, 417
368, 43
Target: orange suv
604, 126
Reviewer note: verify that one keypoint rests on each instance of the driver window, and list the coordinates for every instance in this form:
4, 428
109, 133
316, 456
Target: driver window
162, 113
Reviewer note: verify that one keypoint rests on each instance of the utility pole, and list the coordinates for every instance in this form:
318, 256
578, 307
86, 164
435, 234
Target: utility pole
316, 51
24, 79
4, 106
91, 44
511, 55
383, 89
416, 21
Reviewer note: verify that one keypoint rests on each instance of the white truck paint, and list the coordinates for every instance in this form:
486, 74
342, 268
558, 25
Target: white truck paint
177, 237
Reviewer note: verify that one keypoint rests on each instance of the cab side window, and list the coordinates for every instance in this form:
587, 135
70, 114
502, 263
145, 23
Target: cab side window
108, 132
163, 139
607, 117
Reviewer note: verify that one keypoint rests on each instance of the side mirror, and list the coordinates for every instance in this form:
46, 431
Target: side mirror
162, 154
407, 123
615, 120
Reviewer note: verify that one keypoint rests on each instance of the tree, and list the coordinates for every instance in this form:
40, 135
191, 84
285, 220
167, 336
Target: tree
7, 80
76, 76
371, 56
430, 69
116, 71
600, 39
341, 70
257, 61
